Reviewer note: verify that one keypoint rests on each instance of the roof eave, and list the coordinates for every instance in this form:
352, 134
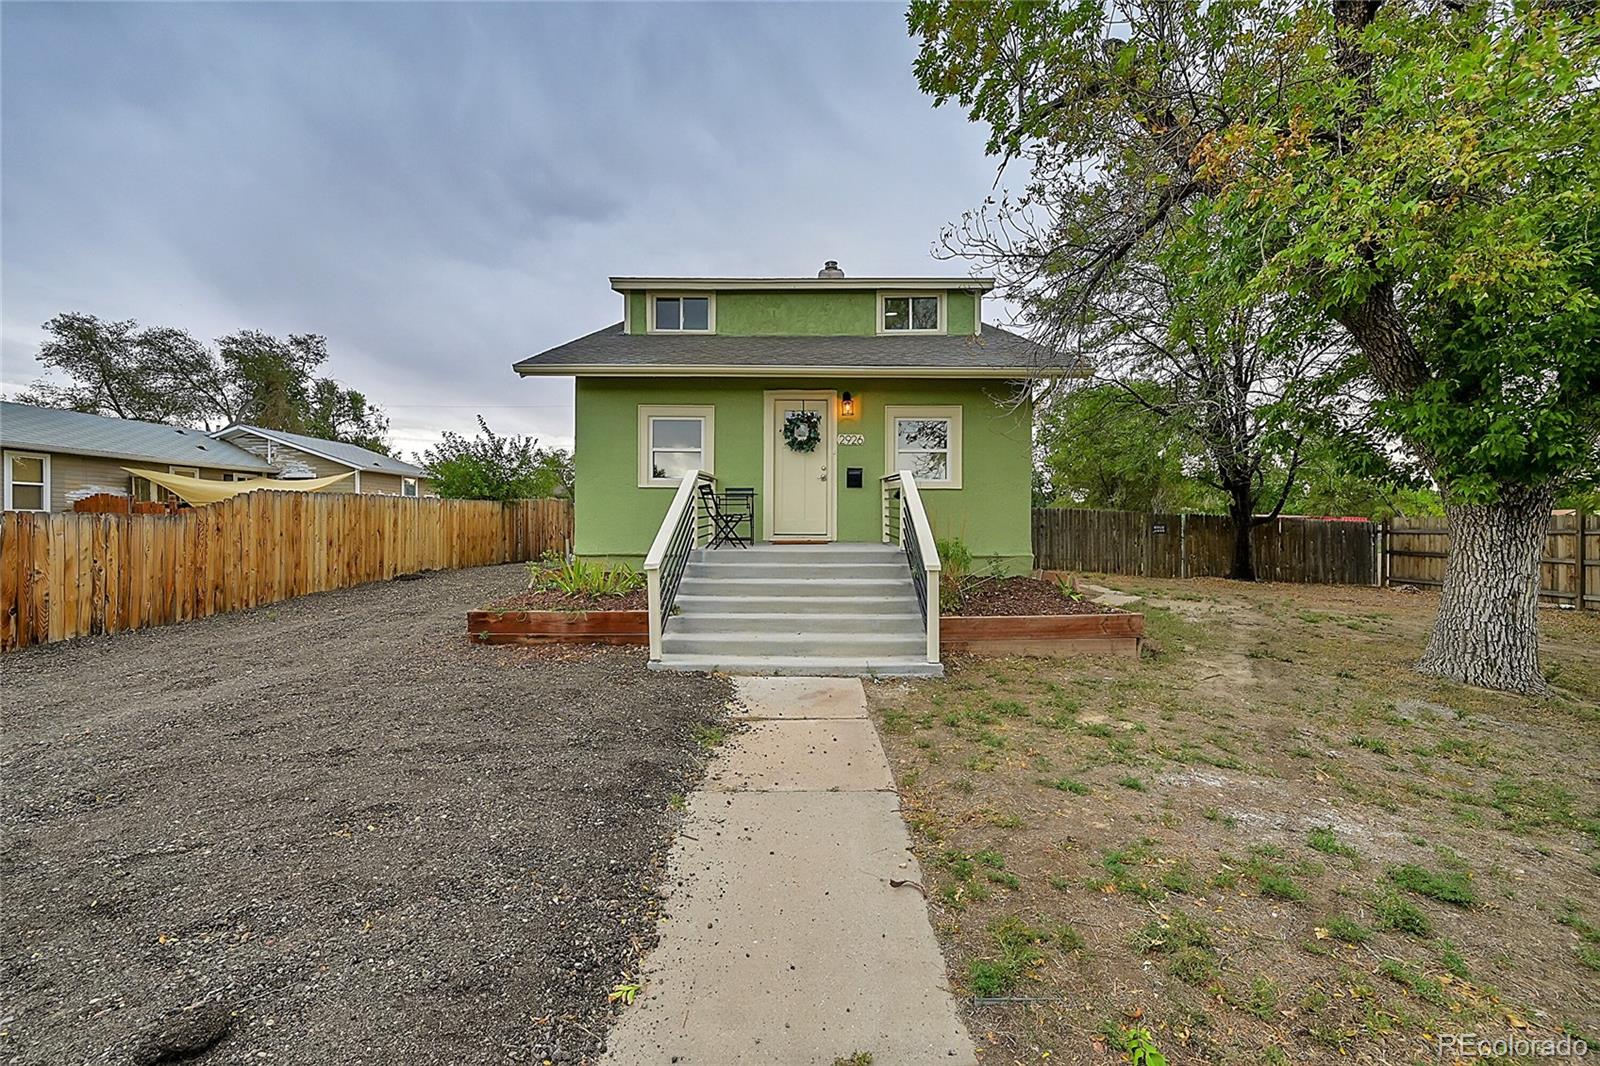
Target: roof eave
631, 284
757, 371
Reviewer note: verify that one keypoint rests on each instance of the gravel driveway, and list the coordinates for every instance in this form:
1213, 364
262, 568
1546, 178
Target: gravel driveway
331, 831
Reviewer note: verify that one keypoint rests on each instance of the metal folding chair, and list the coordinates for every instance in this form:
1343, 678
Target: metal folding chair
727, 514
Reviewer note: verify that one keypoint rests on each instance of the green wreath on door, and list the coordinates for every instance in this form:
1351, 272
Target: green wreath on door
802, 430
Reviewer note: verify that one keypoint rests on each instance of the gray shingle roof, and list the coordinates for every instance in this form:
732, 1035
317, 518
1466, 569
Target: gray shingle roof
610, 350
47, 429
350, 455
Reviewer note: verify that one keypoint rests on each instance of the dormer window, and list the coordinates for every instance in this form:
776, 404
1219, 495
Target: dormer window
681, 313
910, 312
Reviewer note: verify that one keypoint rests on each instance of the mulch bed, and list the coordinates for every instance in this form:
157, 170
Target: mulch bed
551, 600
1005, 596
332, 831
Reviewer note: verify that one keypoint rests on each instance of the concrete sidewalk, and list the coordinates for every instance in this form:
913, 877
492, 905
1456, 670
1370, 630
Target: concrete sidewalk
785, 945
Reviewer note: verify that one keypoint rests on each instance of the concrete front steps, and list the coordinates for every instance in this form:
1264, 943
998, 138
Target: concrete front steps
804, 609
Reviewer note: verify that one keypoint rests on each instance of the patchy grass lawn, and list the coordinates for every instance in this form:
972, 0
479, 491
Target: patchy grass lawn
1268, 841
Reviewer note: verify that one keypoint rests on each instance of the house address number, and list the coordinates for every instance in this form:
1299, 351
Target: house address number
852, 438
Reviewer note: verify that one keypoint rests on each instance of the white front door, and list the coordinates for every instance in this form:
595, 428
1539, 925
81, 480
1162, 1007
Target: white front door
801, 488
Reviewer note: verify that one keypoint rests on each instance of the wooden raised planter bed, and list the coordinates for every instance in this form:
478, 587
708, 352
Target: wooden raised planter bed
571, 627
1051, 635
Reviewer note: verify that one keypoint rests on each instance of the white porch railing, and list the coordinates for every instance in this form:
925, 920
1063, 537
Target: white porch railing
905, 522
669, 553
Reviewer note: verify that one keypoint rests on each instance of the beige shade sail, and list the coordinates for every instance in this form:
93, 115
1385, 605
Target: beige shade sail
197, 492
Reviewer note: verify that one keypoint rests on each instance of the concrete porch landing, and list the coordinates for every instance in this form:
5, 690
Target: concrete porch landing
785, 945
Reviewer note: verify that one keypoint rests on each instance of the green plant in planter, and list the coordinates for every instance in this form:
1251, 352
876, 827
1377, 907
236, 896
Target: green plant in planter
955, 566
578, 577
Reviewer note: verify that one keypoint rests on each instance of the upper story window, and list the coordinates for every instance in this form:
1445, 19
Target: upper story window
682, 313
910, 312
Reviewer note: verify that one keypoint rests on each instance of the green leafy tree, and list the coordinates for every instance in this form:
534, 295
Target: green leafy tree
488, 466
338, 413
163, 374
1097, 447
1421, 176
111, 368
1332, 483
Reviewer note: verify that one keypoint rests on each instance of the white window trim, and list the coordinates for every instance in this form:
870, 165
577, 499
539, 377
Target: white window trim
238, 475
415, 486
885, 294
185, 471
708, 439
44, 473
650, 312
950, 412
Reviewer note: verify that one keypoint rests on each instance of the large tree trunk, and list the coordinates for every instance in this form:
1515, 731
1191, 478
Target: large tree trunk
1487, 629
1241, 510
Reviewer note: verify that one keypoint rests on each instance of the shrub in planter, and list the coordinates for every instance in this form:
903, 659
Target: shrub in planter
576, 577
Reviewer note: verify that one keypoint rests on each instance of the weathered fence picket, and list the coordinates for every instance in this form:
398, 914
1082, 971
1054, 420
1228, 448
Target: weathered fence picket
79, 573
1403, 551
1195, 545
1569, 572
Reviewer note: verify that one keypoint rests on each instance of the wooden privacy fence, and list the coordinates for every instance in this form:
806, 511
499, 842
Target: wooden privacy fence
1402, 551
1317, 551
1569, 572
68, 575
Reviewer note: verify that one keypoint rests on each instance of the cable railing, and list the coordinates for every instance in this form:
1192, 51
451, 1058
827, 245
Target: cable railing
905, 522
681, 532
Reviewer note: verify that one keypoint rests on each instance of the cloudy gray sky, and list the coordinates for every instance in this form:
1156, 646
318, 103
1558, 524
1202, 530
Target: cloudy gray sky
443, 188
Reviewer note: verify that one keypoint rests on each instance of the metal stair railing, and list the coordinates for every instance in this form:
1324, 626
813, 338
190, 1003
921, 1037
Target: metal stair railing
681, 532
905, 522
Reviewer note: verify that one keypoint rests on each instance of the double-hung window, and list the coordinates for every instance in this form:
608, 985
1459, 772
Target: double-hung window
681, 313
27, 481
927, 442
674, 440
906, 312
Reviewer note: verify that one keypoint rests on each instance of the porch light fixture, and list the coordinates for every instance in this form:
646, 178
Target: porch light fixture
847, 405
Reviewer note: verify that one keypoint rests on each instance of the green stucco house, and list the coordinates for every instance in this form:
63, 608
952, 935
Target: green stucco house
810, 392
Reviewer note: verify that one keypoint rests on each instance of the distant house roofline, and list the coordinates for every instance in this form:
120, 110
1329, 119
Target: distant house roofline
27, 427
377, 463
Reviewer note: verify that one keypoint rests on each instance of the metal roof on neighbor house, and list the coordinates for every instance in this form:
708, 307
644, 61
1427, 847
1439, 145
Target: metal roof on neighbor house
47, 429
996, 353
351, 455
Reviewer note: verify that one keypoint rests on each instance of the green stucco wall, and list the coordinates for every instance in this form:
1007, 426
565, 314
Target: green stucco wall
811, 313
616, 519
959, 309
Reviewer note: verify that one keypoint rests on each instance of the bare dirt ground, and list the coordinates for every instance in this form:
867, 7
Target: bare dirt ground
331, 831
1267, 842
